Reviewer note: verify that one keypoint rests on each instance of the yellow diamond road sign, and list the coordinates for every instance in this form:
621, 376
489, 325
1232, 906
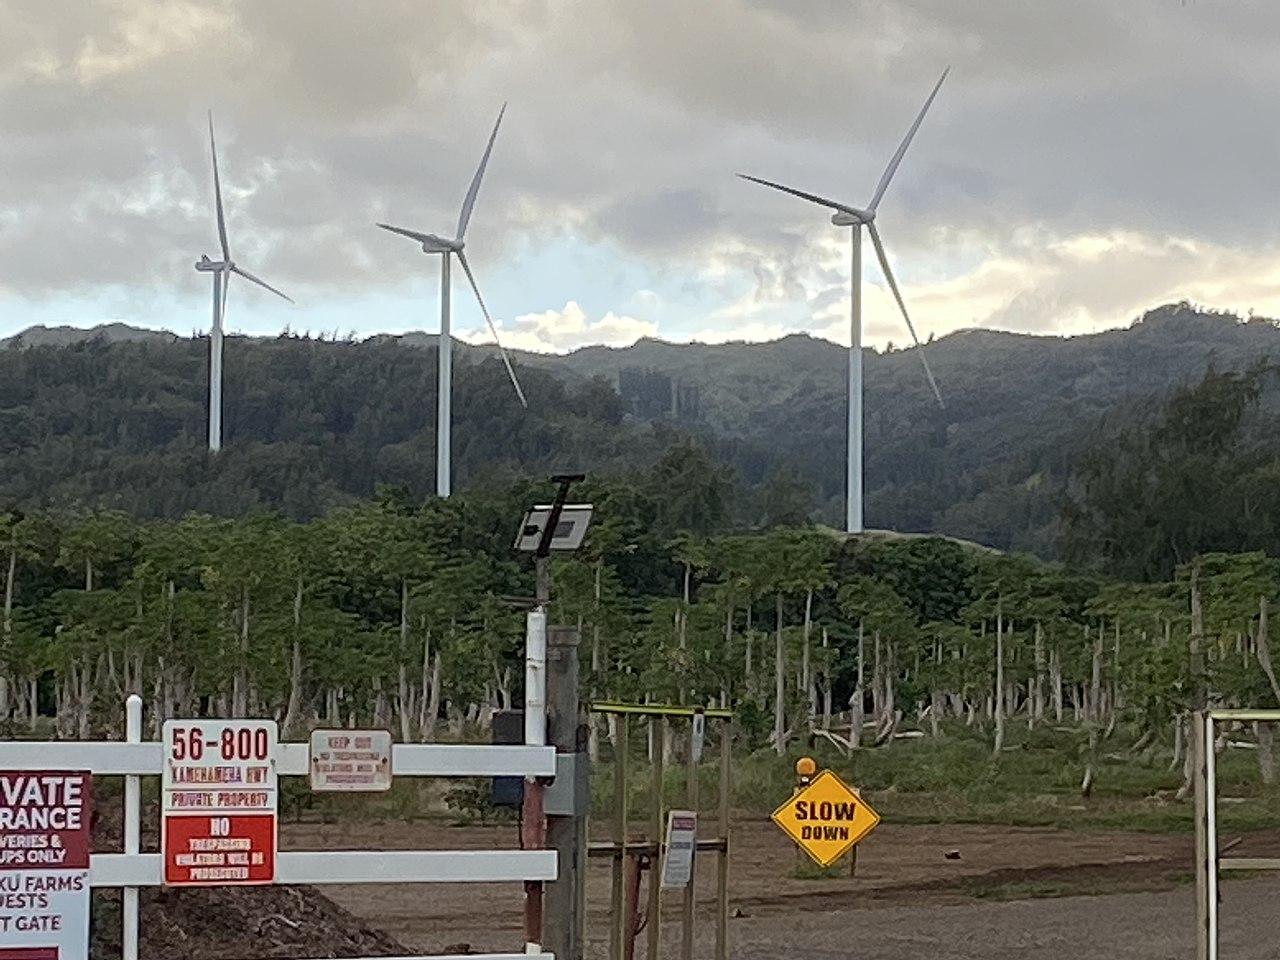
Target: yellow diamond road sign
826, 818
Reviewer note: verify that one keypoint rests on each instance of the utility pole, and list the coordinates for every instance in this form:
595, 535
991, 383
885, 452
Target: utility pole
555, 817
566, 817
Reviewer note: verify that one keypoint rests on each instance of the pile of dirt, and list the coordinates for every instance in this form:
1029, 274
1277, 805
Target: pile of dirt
213, 923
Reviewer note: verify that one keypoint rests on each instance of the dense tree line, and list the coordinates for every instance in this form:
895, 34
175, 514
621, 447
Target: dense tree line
400, 613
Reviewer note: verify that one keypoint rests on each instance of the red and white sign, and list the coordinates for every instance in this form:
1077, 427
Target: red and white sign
350, 761
219, 802
44, 864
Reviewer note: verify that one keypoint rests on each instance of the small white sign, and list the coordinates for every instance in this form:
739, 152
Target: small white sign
218, 802
350, 761
682, 836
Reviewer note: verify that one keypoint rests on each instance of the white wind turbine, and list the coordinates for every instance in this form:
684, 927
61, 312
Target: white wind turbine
857, 218
431, 243
222, 271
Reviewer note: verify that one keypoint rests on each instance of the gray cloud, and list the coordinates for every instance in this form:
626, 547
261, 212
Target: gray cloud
626, 125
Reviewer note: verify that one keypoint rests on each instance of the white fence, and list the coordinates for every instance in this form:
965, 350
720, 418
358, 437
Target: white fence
1209, 862
133, 869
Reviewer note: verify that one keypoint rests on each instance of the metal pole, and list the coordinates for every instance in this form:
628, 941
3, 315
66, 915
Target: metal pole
853, 489
444, 386
215, 367
1202, 838
1211, 834
686, 921
132, 831
568, 735
722, 867
535, 678
657, 730
533, 822
617, 922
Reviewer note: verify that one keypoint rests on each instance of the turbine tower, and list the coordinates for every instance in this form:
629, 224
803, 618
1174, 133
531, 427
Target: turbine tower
432, 244
221, 271
856, 218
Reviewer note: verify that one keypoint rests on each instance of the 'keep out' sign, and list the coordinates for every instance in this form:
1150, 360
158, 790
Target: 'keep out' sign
44, 864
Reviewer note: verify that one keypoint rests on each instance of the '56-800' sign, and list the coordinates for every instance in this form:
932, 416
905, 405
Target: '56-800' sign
219, 806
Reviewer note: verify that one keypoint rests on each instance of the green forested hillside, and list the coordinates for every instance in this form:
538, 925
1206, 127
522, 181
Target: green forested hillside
118, 420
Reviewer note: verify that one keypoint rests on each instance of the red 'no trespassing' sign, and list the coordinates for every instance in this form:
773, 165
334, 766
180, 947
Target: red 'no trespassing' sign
219, 802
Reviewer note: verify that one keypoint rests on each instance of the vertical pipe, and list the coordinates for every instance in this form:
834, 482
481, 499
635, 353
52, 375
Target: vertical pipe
1197, 722
132, 831
686, 920
1211, 834
722, 872
215, 367
657, 733
444, 386
853, 480
617, 924
535, 678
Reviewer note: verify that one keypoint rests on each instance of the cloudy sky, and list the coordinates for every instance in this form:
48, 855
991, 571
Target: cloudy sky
1084, 160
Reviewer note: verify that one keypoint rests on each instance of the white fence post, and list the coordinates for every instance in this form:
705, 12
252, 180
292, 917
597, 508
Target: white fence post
535, 679
1211, 817
132, 832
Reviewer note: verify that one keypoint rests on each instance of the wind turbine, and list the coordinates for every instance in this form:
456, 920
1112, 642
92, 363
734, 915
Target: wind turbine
857, 218
221, 271
431, 244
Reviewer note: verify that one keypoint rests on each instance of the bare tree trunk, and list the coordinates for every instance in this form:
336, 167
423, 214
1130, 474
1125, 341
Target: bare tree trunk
424, 697
1262, 642
239, 680
1055, 683
997, 708
594, 719
1037, 689
433, 704
6, 632
807, 688
1266, 751
1199, 690
857, 700
826, 680
877, 684
1093, 712
779, 682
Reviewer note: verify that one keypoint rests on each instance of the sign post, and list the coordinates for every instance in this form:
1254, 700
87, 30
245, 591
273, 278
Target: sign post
826, 818
219, 802
44, 864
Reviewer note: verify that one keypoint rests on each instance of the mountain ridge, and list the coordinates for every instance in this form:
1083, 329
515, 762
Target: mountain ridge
991, 467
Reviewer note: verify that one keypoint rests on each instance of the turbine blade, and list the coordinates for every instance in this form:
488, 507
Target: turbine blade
217, 196
465, 217
890, 170
897, 295
437, 245
811, 197
466, 267
262, 283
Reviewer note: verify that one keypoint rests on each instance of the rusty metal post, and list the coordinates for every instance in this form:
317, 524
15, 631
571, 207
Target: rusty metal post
568, 735
686, 919
533, 836
658, 731
632, 869
617, 908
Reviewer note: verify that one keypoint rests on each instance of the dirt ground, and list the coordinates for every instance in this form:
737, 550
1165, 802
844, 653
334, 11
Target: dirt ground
977, 902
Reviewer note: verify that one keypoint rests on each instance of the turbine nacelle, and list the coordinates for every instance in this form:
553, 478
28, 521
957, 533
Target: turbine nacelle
205, 265
852, 217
